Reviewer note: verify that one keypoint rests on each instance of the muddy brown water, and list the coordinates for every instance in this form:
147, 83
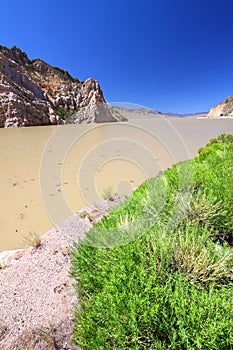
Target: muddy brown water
48, 173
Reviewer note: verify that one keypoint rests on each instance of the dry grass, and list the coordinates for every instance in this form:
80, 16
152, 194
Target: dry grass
41, 338
201, 210
32, 239
125, 222
51, 337
201, 262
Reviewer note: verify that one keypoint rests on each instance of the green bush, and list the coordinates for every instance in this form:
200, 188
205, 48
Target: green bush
198, 258
163, 279
212, 172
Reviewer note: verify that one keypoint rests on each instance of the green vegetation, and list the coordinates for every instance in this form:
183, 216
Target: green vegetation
109, 194
155, 273
64, 113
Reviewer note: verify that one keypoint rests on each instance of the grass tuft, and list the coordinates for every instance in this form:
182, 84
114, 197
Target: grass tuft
109, 194
32, 239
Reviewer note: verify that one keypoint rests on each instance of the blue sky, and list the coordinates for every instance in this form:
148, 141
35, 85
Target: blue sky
170, 55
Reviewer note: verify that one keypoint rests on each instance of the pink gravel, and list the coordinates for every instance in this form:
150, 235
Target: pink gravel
37, 297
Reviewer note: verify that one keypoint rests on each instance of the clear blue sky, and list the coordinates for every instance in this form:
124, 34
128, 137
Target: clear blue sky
170, 55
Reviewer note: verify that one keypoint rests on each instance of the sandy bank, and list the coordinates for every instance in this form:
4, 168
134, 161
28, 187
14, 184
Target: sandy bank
36, 292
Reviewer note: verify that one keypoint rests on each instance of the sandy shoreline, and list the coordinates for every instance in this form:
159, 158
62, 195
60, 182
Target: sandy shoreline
37, 296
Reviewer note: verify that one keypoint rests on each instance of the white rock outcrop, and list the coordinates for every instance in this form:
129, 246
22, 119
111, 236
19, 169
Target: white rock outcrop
35, 93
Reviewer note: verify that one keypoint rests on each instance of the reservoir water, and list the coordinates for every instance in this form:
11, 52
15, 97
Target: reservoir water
48, 173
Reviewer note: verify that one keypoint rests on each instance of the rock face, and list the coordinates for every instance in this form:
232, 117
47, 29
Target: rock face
34, 93
222, 109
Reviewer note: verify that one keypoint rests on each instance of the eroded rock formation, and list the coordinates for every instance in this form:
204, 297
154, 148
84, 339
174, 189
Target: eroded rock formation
35, 93
223, 109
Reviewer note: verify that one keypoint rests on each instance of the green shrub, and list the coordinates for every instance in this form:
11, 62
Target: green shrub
199, 259
155, 273
212, 173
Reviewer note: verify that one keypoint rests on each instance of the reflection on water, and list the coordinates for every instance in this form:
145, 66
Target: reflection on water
47, 173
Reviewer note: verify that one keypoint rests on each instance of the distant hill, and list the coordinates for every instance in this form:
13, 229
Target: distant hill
144, 113
223, 109
137, 113
187, 115
35, 93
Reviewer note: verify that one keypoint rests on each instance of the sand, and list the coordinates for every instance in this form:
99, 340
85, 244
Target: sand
37, 298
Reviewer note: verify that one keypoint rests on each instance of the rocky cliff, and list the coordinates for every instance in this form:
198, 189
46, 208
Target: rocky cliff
35, 93
224, 108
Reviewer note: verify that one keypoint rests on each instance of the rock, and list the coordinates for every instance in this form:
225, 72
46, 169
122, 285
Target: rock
35, 93
224, 108
9, 257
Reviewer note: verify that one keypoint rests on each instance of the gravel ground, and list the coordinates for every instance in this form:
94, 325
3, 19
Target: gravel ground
36, 294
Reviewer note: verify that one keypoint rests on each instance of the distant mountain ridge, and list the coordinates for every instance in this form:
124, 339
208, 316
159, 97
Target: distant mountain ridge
183, 115
34, 93
142, 112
